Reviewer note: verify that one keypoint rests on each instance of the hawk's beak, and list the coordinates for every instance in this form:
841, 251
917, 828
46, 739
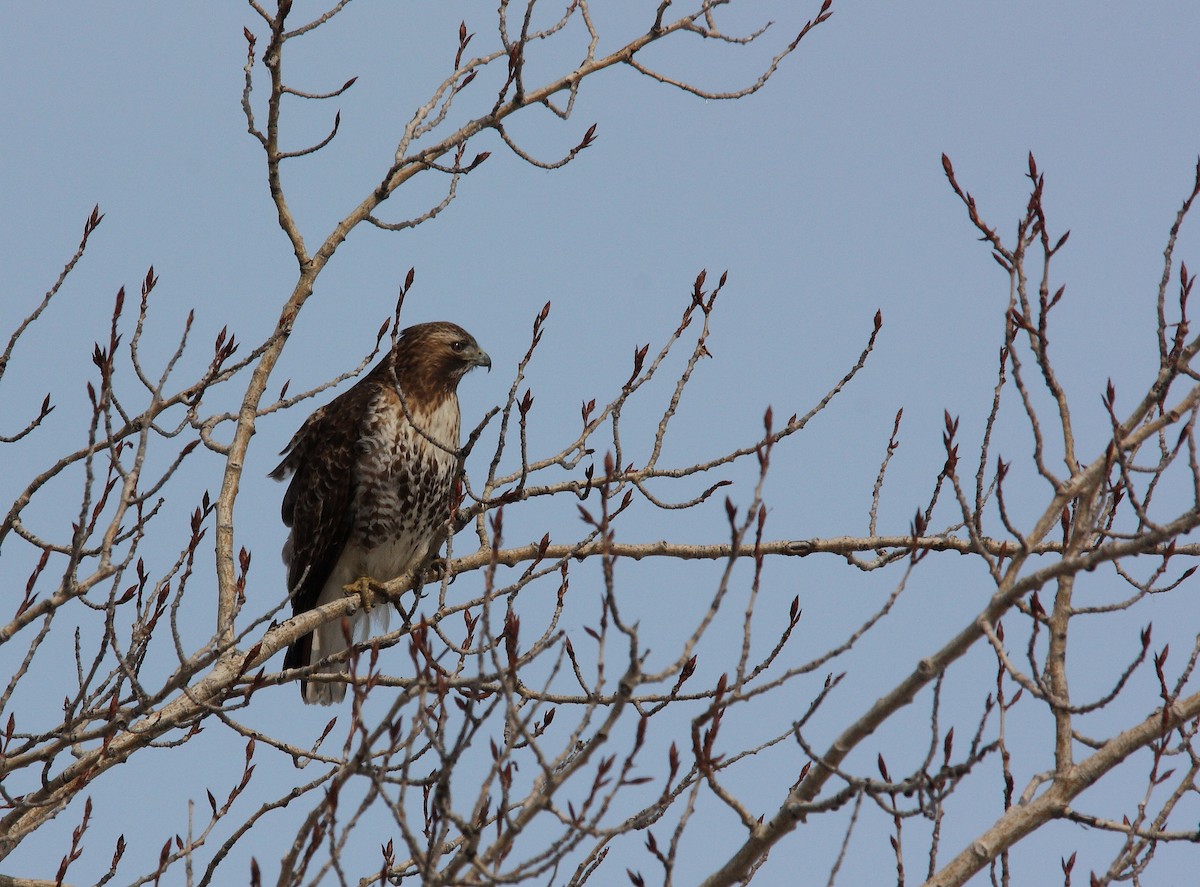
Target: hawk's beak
481, 359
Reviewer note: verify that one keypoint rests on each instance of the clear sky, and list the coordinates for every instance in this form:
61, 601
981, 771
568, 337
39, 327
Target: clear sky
823, 196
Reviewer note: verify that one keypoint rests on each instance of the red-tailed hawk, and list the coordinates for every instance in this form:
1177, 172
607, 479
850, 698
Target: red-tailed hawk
372, 473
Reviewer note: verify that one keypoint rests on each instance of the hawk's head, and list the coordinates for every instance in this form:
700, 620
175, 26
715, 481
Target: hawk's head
432, 357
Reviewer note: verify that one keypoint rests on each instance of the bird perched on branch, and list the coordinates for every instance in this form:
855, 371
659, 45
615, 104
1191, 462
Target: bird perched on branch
372, 477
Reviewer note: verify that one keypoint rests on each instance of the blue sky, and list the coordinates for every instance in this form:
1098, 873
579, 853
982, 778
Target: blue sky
823, 196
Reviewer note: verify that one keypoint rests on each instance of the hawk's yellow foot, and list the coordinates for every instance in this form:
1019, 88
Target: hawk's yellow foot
435, 568
364, 587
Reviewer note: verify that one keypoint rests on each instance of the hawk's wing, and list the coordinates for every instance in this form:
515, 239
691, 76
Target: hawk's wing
319, 502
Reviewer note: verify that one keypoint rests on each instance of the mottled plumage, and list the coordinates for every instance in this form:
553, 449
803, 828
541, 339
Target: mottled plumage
369, 491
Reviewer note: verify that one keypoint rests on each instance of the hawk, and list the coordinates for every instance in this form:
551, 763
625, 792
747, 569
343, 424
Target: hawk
372, 474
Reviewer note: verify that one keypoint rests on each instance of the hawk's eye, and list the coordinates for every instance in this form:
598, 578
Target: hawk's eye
457, 346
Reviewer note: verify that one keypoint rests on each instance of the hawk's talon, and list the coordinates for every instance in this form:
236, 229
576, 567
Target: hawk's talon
435, 569
364, 587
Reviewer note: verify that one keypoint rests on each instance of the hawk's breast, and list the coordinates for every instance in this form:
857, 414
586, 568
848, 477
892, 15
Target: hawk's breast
404, 476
